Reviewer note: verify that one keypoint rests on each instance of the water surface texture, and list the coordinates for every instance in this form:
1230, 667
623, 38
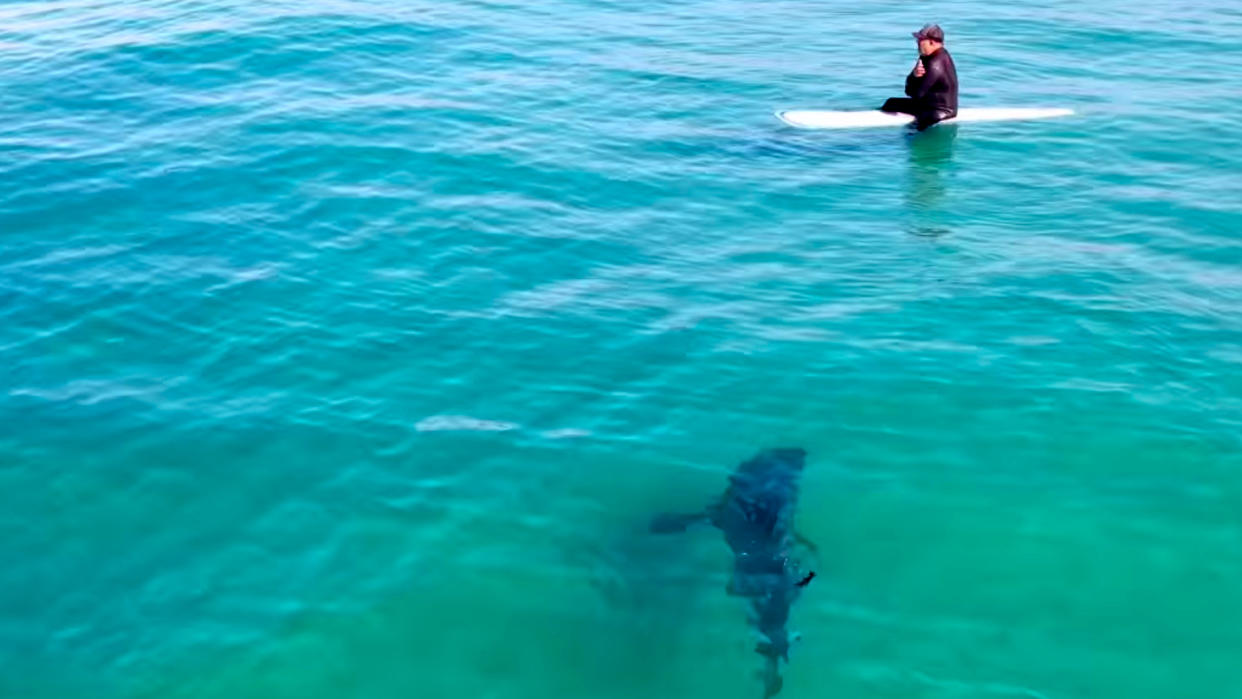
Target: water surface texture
347, 348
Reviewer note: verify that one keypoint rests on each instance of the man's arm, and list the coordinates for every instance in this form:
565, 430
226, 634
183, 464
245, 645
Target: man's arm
933, 76
914, 80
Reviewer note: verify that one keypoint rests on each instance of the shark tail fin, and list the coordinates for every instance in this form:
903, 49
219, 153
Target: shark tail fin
772, 680
673, 523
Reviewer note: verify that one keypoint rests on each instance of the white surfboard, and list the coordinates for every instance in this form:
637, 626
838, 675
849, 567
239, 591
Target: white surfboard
824, 119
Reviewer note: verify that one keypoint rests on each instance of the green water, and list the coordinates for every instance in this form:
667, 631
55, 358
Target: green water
348, 348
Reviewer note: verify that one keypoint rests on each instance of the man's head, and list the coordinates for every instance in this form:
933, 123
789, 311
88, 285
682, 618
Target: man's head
930, 38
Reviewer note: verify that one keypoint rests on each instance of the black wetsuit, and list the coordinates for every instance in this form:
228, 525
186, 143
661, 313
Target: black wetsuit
933, 97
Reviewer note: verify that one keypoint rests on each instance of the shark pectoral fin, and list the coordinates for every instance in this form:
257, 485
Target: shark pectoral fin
673, 523
810, 546
806, 542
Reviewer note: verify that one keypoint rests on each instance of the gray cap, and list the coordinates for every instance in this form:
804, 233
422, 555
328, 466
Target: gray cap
930, 31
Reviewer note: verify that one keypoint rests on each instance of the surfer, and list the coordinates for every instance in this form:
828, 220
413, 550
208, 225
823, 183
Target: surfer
932, 84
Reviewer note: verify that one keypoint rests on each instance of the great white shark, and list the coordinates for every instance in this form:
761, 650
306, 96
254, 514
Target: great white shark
756, 516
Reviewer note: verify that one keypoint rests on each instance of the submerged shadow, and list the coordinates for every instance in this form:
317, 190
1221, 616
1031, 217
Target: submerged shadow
650, 589
930, 161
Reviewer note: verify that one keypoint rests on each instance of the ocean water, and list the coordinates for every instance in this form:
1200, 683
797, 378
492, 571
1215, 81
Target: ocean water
347, 348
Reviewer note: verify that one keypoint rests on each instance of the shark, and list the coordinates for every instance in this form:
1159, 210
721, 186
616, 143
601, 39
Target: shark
756, 516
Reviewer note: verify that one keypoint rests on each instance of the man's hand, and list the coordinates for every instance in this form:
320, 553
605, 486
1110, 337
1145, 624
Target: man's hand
919, 70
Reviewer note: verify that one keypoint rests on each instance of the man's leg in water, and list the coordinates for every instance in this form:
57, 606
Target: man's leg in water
901, 105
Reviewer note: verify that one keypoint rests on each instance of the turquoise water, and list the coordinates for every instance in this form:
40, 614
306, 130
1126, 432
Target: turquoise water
348, 347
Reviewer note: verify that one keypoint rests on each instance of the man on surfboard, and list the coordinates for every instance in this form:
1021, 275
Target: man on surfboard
932, 84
